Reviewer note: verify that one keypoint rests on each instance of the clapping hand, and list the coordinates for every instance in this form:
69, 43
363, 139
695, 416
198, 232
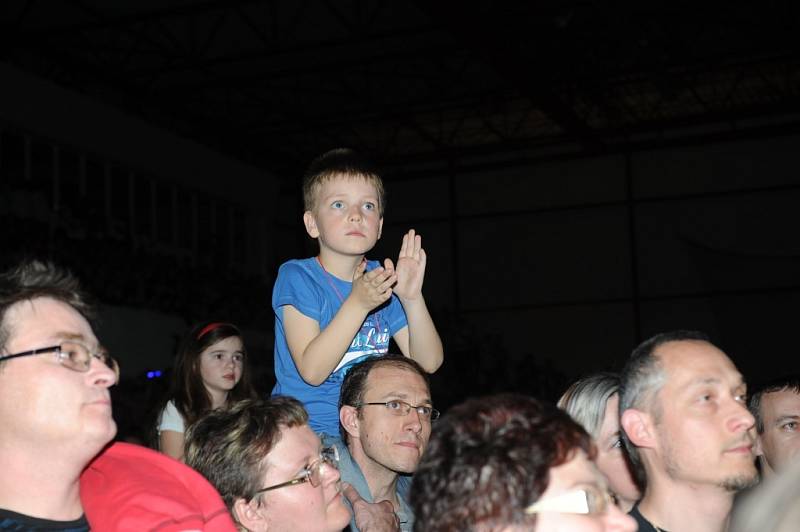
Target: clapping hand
410, 269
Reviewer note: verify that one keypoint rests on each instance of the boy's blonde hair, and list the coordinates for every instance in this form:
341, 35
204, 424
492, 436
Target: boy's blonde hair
340, 162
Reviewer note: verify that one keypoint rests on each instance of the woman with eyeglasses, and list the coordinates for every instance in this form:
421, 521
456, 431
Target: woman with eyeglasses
269, 467
594, 403
210, 372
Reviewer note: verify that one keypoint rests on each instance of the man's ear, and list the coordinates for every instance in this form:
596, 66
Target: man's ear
249, 515
311, 224
348, 417
638, 426
758, 449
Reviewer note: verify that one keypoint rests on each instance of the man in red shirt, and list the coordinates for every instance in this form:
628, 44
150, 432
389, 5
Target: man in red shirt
55, 410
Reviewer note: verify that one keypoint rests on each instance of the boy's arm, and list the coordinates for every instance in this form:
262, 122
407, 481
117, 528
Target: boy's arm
419, 340
315, 352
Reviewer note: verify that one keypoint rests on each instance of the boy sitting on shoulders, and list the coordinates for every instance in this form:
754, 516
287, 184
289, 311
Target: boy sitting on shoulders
337, 308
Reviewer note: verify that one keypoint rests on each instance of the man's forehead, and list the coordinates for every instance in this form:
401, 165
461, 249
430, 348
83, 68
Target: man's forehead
781, 402
689, 361
44, 318
390, 378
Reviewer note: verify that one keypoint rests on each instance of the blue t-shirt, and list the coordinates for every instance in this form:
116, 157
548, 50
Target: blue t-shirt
315, 293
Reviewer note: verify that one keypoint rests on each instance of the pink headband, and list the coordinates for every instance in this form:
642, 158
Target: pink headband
210, 327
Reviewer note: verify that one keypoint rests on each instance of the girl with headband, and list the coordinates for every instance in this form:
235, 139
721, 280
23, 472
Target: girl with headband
210, 372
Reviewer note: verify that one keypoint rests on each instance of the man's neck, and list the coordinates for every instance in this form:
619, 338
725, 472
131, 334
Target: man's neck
340, 266
675, 506
382, 482
40, 484
766, 469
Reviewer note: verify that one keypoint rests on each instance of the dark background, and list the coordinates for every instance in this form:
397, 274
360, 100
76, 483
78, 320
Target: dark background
584, 174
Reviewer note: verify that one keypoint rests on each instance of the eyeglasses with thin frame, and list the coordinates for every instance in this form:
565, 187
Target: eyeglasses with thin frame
312, 474
589, 500
401, 408
73, 355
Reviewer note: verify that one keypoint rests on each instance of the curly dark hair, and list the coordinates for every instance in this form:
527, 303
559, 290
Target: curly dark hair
489, 459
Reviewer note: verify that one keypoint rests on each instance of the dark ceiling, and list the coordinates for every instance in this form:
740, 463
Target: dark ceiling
422, 84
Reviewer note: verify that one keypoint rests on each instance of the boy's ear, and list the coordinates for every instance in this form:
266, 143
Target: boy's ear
348, 417
311, 224
638, 427
380, 228
248, 514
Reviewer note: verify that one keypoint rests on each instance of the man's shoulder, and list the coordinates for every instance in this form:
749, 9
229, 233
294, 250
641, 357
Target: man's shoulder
643, 524
143, 487
13, 521
349, 470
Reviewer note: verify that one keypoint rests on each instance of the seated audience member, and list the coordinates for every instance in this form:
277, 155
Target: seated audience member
687, 431
272, 470
210, 371
776, 408
594, 403
511, 463
385, 413
773, 506
55, 414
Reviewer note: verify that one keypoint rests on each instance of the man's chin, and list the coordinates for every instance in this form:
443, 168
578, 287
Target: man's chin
740, 482
405, 468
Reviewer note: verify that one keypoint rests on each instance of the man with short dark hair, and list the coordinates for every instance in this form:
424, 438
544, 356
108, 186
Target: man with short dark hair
776, 407
686, 427
55, 419
385, 410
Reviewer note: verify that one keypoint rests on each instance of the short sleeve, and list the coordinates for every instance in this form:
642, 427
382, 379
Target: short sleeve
295, 286
171, 419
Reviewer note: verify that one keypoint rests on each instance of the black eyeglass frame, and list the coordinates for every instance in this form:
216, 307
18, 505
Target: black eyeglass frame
101, 355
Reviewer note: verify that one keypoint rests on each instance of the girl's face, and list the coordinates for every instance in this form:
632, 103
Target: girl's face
221, 367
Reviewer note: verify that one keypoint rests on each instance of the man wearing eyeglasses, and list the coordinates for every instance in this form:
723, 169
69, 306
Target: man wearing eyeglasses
385, 412
56, 419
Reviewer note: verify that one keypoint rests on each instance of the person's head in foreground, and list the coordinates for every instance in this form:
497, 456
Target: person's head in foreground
269, 466
55, 408
776, 407
593, 402
507, 463
687, 430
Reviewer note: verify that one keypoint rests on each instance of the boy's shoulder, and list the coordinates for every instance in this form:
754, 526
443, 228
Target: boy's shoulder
297, 266
311, 266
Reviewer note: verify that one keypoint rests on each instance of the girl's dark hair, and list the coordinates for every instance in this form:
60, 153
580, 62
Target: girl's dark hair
187, 390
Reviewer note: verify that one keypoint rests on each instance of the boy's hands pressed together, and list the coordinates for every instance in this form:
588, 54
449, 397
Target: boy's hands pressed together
372, 288
410, 267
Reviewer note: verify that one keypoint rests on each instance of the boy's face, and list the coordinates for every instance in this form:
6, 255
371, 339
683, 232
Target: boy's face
346, 219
